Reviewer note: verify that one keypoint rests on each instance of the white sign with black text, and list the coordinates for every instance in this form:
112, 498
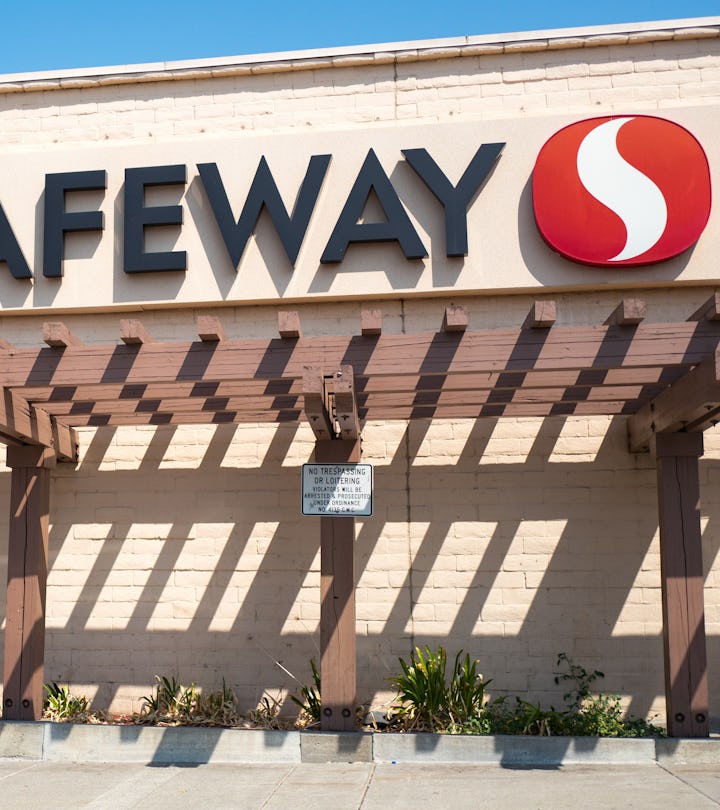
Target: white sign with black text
337, 490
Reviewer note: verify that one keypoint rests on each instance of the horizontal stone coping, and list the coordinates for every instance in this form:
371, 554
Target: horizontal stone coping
358, 55
65, 742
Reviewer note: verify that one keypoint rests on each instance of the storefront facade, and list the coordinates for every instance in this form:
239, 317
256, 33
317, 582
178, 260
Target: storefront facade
255, 222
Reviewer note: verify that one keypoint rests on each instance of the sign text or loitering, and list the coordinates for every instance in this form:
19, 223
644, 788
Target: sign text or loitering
337, 490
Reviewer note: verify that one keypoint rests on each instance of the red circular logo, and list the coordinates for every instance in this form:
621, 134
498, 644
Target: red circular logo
618, 191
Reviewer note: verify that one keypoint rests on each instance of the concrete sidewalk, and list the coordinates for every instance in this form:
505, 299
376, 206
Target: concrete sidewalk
370, 786
118, 767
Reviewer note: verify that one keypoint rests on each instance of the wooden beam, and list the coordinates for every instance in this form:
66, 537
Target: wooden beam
629, 312
690, 404
337, 608
591, 349
19, 420
289, 324
27, 577
265, 413
371, 322
455, 319
346, 414
65, 442
23, 423
57, 335
542, 315
709, 310
652, 377
316, 405
378, 402
133, 333
681, 563
210, 329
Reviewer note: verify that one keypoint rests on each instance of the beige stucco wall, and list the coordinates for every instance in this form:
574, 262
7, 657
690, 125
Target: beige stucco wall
181, 550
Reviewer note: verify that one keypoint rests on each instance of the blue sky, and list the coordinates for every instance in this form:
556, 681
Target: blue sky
48, 34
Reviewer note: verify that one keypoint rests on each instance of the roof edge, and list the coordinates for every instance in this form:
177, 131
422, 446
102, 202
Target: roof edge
410, 51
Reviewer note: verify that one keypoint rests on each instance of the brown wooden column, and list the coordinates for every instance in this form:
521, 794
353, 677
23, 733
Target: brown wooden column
337, 609
686, 688
27, 576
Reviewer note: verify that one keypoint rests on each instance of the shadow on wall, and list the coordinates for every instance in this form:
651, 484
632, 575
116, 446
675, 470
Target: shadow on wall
195, 561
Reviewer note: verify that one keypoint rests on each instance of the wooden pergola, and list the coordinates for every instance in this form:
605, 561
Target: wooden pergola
664, 376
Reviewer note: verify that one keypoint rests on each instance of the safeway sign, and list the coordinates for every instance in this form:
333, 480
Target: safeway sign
623, 190
337, 490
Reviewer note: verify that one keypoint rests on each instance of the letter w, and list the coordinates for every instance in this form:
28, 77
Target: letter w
264, 192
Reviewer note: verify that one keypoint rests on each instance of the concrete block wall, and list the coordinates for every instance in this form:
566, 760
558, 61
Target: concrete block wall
644, 72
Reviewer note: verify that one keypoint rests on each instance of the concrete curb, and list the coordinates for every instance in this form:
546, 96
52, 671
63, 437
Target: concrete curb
59, 742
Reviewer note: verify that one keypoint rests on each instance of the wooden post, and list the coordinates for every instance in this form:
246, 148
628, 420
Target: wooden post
681, 565
27, 576
337, 609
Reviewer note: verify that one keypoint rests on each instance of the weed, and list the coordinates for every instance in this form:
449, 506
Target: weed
174, 704
597, 715
581, 679
310, 703
267, 713
60, 705
218, 708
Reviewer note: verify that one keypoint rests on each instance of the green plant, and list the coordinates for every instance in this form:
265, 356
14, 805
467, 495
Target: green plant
466, 695
525, 718
311, 702
429, 702
168, 698
60, 705
597, 715
581, 679
426, 698
174, 704
422, 690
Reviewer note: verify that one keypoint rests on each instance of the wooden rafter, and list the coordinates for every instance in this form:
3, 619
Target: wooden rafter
455, 319
210, 329
133, 333
709, 311
24, 424
63, 398
371, 322
289, 324
499, 350
542, 315
57, 335
539, 369
691, 404
629, 312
